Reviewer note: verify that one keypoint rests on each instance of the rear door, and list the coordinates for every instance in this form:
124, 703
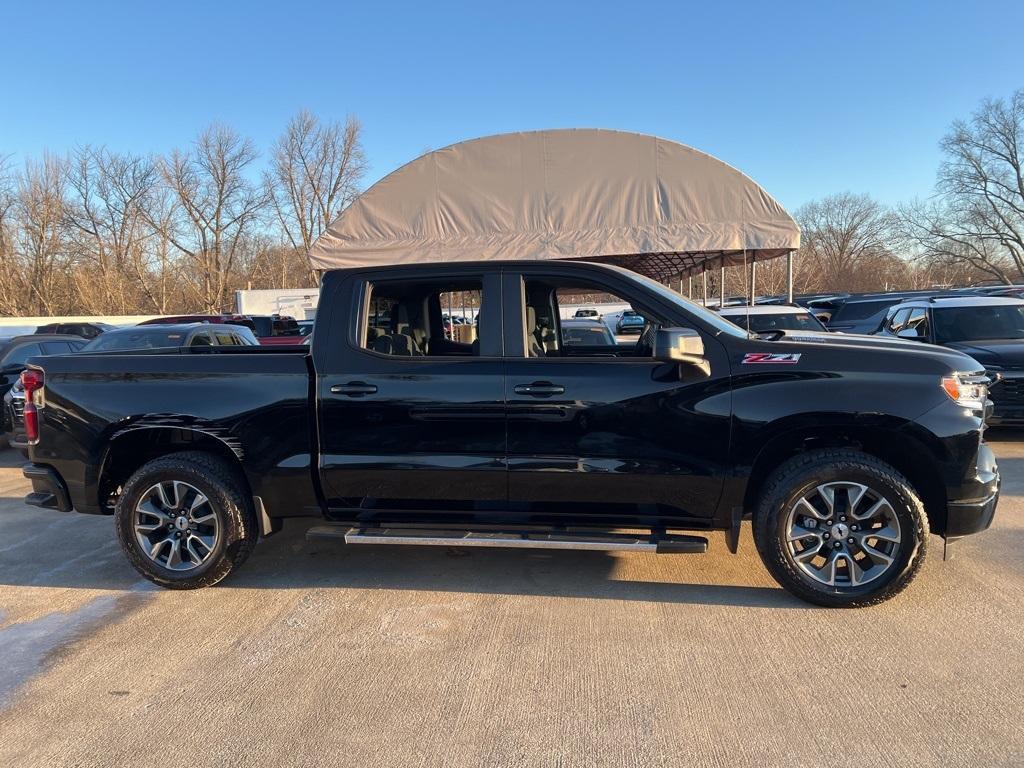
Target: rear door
409, 419
616, 436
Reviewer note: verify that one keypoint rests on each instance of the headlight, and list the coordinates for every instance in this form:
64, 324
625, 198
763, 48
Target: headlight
966, 389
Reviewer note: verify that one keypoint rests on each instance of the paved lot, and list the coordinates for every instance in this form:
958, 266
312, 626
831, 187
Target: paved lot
318, 655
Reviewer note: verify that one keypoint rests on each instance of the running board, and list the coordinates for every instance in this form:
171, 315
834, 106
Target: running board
601, 542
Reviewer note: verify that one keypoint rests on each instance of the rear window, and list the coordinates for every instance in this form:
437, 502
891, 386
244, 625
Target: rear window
861, 310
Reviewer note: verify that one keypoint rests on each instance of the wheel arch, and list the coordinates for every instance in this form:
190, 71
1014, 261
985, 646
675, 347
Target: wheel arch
129, 449
908, 452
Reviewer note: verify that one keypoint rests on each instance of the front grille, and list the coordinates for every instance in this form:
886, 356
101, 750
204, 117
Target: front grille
1008, 391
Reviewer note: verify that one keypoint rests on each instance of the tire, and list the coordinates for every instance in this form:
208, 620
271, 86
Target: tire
226, 521
826, 483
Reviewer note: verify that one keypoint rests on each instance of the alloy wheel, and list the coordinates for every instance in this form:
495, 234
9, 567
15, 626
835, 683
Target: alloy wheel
176, 525
843, 534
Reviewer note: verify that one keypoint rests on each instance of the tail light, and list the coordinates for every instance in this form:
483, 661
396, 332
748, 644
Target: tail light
32, 381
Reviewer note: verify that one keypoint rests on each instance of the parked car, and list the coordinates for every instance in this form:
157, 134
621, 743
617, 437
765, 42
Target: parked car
14, 352
584, 312
765, 318
406, 437
85, 330
630, 321
305, 327
173, 337
583, 332
988, 328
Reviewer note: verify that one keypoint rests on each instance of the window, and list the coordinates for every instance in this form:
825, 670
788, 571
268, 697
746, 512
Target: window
226, 339
576, 333
201, 340
918, 321
56, 348
438, 318
552, 330
999, 321
860, 310
898, 320
21, 354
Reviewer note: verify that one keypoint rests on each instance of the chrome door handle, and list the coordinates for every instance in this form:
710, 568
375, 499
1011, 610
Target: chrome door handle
539, 389
354, 389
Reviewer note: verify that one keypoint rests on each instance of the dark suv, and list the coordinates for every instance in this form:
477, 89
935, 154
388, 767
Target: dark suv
85, 330
988, 328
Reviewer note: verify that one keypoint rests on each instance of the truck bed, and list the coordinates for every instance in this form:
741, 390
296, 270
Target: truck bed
251, 401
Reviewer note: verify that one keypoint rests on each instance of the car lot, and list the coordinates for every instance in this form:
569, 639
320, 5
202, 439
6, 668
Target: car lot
318, 655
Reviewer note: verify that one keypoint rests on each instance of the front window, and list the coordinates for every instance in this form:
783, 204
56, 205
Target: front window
713, 319
1003, 321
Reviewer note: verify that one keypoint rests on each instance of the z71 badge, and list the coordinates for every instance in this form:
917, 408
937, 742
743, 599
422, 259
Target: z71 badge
784, 358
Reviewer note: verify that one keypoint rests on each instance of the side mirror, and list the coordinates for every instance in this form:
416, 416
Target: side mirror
680, 345
909, 333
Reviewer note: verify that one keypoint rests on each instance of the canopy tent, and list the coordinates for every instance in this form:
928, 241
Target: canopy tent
657, 207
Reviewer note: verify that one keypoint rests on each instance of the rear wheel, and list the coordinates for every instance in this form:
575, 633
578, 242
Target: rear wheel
184, 522
840, 528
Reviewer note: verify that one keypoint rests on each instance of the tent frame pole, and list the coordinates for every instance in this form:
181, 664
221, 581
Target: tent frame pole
721, 282
753, 281
789, 277
704, 275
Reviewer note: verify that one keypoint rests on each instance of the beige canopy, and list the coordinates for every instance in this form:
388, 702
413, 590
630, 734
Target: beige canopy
655, 206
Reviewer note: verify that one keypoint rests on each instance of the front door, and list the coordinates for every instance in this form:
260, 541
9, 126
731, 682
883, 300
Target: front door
412, 413
610, 434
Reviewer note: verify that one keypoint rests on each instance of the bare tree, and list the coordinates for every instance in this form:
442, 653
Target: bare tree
846, 237
108, 193
40, 236
216, 206
977, 218
315, 171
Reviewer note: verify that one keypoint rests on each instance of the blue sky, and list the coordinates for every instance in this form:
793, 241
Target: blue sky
807, 98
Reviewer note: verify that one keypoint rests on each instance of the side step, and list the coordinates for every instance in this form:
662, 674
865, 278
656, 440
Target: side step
602, 542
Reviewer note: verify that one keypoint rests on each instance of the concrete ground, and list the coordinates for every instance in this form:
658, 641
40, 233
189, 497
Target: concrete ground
314, 654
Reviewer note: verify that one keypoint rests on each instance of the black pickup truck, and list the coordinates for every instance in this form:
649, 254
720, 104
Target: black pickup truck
844, 451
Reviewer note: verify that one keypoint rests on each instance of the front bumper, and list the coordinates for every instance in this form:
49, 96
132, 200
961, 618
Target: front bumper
48, 489
973, 512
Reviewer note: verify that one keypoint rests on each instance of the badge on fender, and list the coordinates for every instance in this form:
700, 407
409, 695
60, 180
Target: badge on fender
783, 358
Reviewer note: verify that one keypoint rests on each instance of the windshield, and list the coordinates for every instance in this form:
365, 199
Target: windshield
135, 339
713, 319
1002, 321
575, 336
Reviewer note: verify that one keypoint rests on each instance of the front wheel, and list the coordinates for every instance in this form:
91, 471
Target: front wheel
184, 522
840, 528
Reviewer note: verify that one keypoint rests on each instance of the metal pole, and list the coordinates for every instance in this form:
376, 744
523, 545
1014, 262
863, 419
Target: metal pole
721, 282
789, 277
689, 286
753, 280
704, 274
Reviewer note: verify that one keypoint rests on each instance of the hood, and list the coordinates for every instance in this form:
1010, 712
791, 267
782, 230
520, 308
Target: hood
1002, 353
951, 359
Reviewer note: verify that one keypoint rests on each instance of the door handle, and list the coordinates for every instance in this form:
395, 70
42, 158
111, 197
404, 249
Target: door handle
539, 389
354, 389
